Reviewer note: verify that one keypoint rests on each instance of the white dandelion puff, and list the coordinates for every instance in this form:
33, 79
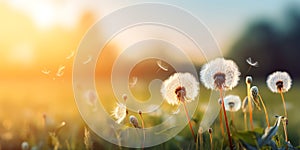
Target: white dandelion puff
89, 59
25, 145
70, 55
178, 83
60, 71
133, 82
232, 103
119, 113
220, 74
251, 62
161, 65
46, 71
279, 82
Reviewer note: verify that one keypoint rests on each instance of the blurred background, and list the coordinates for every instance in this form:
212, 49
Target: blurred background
39, 41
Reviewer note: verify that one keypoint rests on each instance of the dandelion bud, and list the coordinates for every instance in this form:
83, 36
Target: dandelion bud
140, 112
248, 80
25, 145
133, 120
124, 96
254, 91
210, 130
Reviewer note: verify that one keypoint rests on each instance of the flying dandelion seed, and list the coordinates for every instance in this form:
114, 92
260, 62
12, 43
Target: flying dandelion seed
220, 73
119, 112
89, 59
232, 103
133, 82
70, 55
60, 71
251, 62
46, 71
161, 65
172, 85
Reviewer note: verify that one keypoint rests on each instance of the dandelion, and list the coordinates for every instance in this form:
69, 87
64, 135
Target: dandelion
134, 121
280, 82
255, 96
248, 83
143, 127
232, 104
244, 109
221, 74
181, 87
119, 112
210, 130
25, 145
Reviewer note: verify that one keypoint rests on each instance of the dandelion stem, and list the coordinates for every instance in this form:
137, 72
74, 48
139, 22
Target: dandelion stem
221, 122
143, 128
200, 131
231, 116
283, 101
226, 120
265, 109
211, 139
245, 121
250, 105
189, 121
285, 130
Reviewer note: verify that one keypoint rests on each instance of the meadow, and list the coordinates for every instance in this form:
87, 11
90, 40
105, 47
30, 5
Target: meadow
24, 121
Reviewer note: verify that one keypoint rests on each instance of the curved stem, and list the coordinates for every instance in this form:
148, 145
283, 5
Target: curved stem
245, 121
250, 106
265, 109
226, 121
283, 101
189, 121
143, 128
221, 122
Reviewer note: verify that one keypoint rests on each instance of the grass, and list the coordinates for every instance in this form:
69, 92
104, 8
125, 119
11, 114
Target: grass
21, 117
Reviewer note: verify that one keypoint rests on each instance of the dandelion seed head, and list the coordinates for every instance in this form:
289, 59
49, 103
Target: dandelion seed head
279, 82
119, 113
232, 103
220, 73
180, 85
248, 80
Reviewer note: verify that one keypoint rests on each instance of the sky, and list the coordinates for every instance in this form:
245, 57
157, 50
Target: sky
39, 34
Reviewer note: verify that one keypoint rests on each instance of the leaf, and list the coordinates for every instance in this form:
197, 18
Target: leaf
249, 137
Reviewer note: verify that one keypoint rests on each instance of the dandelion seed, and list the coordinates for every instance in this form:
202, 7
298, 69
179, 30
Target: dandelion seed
25, 145
46, 71
60, 71
89, 59
70, 55
134, 121
119, 112
161, 65
251, 63
232, 103
220, 73
180, 85
133, 82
